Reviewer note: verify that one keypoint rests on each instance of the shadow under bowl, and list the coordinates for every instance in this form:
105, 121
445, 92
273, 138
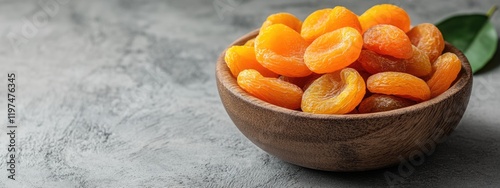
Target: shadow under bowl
351, 142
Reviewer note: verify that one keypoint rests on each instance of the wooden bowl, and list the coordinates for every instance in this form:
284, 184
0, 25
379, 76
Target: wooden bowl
352, 142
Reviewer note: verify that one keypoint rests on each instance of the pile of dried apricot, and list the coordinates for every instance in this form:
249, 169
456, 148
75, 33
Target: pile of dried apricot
336, 62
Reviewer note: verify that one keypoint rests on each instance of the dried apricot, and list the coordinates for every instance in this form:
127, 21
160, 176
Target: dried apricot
271, 90
313, 77
250, 43
418, 65
281, 50
380, 103
385, 14
446, 69
399, 84
334, 93
327, 20
357, 65
336, 62
283, 18
239, 58
300, 81
375, 63
388, 40
427, 38
334, 50
364, 74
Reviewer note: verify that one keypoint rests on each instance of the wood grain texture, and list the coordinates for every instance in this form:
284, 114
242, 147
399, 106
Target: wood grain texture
122, 93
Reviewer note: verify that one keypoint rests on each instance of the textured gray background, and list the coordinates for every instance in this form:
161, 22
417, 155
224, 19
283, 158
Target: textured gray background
122, 94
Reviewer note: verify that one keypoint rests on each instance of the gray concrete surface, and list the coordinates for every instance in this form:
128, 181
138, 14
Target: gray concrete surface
122, 94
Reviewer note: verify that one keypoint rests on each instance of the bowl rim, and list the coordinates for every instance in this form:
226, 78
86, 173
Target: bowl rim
222, 72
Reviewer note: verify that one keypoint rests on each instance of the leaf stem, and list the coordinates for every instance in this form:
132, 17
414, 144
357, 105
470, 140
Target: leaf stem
492, 11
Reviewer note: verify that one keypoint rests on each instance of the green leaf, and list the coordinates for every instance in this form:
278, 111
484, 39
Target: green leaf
474, 34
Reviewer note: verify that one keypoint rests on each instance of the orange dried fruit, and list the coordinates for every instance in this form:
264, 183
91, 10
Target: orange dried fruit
427, 38
300, 81
313, 77
399, 84
337, 63
250, 43
357, 65
381, 103
446, 69
334, 50
239, 58
271, 90
364, 74
327, 20
418, 65
283, 18
281, 50
388, 40
385, 14
334, 93
375, 63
